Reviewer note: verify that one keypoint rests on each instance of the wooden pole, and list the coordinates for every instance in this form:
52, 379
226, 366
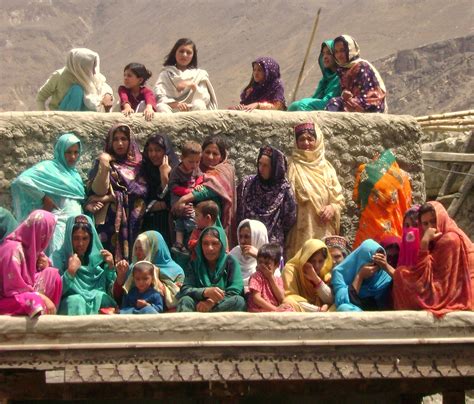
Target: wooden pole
441, 128
437, 122
311, 39
446, 115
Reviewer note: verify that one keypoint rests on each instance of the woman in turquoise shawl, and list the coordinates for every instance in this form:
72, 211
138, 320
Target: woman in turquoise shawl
359, 282
53, 185
151, 246
214, 282
87, 270
328, 86
8, 223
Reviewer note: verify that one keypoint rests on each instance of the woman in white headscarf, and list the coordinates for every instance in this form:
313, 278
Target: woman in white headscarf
78, 86
252, 234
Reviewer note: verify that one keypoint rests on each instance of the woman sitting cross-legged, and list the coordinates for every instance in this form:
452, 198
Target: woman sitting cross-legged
88, 271
214, 282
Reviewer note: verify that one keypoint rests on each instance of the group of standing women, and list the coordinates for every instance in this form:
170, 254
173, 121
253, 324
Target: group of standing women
348, 83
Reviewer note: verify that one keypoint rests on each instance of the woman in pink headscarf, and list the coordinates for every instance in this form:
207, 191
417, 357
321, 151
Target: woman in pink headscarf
28, 285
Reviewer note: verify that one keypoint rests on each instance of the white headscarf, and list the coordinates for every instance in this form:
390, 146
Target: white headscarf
84, 65
259, 237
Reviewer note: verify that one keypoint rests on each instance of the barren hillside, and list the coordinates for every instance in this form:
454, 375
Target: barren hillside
35, 36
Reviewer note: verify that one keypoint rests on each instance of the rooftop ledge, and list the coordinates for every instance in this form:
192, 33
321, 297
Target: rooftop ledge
197, 347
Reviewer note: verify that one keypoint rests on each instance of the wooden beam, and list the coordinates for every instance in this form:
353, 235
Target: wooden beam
447, 128
448, 157
446, 115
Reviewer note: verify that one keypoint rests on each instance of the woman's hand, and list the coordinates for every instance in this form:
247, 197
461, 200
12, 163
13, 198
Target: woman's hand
346, 95
48, 204
122, 269
250, 107
108, 258
310, 274
107, 102
50, 308
205, 306
238, 107
214, 293
165, 167
73, 264
431, 234
327, 213
148, 113
105, 159
380, 260
249, 251
127, 110
42, 262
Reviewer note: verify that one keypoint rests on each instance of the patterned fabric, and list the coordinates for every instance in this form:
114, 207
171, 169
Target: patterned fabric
297, 288
270, 90
20, 280
315, 185
442, 280
328, 86
376, 287
338, 242
382, 192
90, 289
362, 79
271, 201
123, 218
258, 283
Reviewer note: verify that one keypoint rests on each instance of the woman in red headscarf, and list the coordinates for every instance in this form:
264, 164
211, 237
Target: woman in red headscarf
442, 278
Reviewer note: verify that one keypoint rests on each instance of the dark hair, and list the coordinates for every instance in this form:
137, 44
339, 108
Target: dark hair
425, 208
344, 42
139, 70
246, 225
219, 142
144, 266
210, 231
170, 60
85, 226
190, 148
208, 208
271, 251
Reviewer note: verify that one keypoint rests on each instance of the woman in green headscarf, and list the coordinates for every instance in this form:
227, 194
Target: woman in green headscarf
214, 282
53, 185
7, 223
87, 270
328, 86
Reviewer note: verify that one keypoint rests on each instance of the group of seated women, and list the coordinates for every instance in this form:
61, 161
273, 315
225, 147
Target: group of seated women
348, 83
150, 231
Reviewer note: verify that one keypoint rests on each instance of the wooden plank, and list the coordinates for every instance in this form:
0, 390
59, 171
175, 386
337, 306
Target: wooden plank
448, 157
466, 187
451, 177
446, 115
442, 128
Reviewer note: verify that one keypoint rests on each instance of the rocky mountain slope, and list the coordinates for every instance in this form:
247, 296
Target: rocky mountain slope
35, 36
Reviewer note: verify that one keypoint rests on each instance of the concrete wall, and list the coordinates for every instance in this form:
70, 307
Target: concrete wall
350, 139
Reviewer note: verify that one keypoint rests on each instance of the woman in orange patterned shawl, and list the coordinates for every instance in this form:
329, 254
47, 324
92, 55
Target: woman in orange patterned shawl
442, 280
382, 192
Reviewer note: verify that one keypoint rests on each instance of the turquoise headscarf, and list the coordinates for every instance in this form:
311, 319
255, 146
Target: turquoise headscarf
55, 178
92, 278
158, 253
7, 223
219, 276
343, 274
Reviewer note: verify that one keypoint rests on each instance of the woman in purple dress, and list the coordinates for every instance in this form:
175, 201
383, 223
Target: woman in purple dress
363, 89
117, 192
267, 196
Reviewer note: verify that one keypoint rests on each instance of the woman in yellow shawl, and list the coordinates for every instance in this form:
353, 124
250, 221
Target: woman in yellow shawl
316, 187
306, 278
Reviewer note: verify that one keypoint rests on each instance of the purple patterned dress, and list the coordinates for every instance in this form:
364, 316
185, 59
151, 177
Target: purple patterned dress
270, 201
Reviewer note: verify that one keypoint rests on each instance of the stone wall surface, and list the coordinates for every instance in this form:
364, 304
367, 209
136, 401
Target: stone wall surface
350, 139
